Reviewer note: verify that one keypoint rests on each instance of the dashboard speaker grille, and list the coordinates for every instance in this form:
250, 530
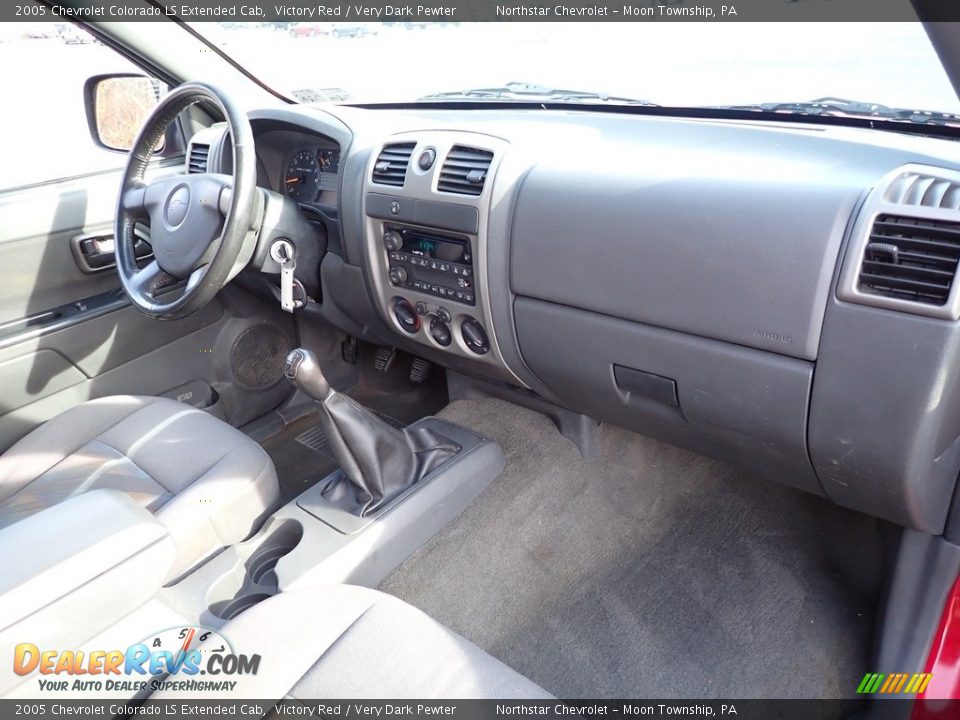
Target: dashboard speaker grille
197, 158
257, 356
392, 162
911, 259
464, 172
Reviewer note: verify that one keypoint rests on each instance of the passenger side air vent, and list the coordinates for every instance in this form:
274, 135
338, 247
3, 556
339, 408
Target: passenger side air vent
391, 165
921, 190
197, 158
465, 170
911, 259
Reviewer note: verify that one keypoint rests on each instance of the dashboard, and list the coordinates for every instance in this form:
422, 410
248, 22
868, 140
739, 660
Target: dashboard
755, 291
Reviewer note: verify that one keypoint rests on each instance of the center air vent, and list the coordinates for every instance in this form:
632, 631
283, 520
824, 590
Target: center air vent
197, 158
391, 165
911, 259
464, 172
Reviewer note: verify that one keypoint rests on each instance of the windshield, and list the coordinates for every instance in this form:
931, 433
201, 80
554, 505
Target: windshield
670, 64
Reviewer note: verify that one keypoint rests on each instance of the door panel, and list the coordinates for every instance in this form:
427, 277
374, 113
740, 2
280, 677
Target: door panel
37, 375
67, 335
36, 224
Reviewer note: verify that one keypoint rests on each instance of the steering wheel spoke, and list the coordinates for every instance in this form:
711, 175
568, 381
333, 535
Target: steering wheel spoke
147, 280
196, 277
133, 201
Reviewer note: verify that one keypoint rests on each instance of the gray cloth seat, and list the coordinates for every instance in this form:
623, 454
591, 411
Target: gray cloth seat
207, 482
346, 641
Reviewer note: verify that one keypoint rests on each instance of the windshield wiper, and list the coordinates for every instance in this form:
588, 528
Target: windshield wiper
839, 107
530, 92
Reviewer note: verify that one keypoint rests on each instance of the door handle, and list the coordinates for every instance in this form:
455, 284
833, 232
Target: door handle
95, 252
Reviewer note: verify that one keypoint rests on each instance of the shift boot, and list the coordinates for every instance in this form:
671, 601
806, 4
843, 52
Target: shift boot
377, 461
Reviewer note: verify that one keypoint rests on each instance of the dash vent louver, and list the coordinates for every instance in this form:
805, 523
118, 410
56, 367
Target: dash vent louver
911, 259
197, 158
921, 190
464, 170
392, 163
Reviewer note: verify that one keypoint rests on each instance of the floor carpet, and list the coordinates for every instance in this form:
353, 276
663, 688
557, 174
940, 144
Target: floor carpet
649, 571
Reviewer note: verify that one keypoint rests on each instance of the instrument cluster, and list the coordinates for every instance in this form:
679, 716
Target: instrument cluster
310, 171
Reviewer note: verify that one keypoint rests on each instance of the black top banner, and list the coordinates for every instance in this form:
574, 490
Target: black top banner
485, 11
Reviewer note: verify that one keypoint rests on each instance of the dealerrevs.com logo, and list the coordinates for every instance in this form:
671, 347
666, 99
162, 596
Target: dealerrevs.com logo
178, 659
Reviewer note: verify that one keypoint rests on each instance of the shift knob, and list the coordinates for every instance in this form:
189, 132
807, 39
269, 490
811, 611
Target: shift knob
302, 369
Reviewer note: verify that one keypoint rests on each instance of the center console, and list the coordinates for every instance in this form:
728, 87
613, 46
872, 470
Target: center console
426, 199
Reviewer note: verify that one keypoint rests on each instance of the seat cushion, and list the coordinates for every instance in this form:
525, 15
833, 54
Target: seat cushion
207, 482
352, 642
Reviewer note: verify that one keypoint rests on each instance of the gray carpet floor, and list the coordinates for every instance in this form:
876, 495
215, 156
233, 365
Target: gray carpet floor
649, 571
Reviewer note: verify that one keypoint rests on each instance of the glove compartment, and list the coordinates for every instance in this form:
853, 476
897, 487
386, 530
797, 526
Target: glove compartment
740, 405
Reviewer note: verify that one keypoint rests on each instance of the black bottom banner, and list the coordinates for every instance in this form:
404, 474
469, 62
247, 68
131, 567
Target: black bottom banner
229, 709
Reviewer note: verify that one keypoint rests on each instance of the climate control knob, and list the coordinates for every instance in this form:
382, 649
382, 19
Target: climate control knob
392, 240
406, 315
474, 336
398, 275
440, 332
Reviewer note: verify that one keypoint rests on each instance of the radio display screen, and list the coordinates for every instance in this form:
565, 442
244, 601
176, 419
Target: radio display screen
435, 248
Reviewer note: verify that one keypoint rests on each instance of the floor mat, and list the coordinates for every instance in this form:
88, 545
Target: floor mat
316, 439
299, 465
649, 571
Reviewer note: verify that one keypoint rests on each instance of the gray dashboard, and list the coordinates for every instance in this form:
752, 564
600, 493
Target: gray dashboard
678, 277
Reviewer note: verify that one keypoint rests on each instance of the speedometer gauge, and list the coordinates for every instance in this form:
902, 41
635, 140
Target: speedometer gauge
303, 176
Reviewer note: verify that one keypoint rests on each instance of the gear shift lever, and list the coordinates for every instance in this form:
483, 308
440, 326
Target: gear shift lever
377, 461
301, 369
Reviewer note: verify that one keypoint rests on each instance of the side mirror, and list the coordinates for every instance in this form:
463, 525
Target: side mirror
117, 106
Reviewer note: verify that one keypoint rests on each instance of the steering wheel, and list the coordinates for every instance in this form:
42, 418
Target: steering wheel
203, 226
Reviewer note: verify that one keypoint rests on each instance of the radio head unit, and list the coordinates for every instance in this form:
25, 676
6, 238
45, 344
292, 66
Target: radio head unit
433, 263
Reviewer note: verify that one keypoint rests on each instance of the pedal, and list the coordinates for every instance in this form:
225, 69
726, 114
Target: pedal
419, 370
384, 359
348, 349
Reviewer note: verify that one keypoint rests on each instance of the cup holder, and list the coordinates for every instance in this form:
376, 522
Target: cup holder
253, 578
